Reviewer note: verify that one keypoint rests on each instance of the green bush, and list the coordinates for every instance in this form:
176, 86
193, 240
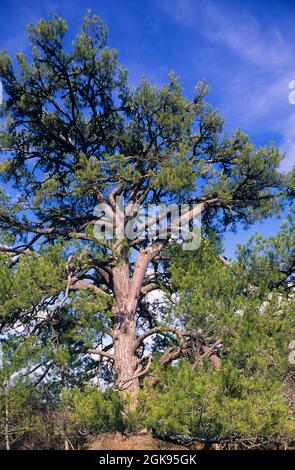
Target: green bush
217, 405
91, 411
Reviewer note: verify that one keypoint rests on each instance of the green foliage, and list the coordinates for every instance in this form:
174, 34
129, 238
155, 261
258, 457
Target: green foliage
249, 306
205, 303
210, 405
90, 411
33, 277
88, 133
16, 396
268, 263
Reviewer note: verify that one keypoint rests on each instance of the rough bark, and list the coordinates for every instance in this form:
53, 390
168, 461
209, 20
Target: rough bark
126, 362
124, 335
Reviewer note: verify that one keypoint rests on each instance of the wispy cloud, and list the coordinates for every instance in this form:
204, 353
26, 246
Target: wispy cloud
243, 34
238, 30
262, 62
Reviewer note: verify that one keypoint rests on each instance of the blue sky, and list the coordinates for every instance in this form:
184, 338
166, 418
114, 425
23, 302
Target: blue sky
244, 49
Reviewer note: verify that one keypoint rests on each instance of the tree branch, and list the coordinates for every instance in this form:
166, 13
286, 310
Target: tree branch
160, 329
79, 284
101, 353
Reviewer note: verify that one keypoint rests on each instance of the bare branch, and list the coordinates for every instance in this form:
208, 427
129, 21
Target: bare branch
79, 284
102, 353
224, 260
124, 386
149, 288
160, 330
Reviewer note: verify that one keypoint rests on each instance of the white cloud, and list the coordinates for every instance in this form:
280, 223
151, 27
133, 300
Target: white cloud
238, 30
243, 35
262, 63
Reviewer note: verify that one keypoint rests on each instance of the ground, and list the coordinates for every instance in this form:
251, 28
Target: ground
118, 441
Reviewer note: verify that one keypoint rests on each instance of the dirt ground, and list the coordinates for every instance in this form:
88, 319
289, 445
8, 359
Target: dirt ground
118, 441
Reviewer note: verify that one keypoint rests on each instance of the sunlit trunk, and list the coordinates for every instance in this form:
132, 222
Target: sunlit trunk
126, 362
124, 331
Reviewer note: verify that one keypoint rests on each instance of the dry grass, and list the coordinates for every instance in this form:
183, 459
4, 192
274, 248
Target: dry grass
118, 441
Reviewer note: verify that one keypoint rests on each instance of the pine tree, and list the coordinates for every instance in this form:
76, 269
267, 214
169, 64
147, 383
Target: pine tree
74, 134
16, 393
246, 309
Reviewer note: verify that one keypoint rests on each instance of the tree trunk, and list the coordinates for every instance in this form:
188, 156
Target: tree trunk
126, 362
66, 444
124, 331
